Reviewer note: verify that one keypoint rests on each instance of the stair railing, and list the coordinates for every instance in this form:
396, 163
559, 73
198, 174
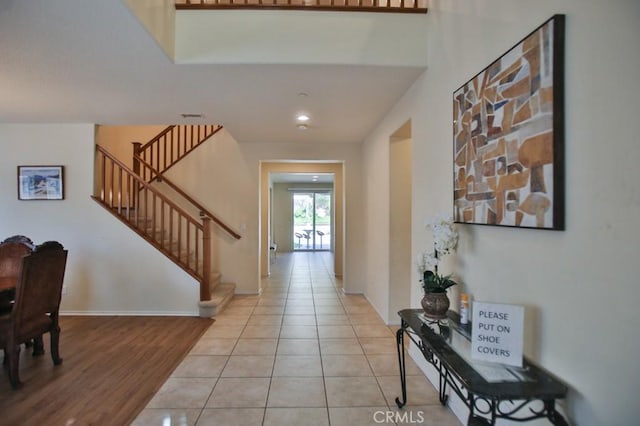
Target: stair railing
155, 175
170, 146
157, 219
398, 6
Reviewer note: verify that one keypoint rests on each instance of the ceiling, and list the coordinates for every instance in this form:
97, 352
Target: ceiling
79, 61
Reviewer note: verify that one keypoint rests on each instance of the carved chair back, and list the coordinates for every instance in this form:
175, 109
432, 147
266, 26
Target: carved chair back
39, 289
36, 306
11, 252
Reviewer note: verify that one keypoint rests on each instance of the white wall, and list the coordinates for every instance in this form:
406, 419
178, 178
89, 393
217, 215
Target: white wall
218, 176
118, 140
298, 37
109, 269
400, 259
158, 18
223, 175
579, 286
281, 217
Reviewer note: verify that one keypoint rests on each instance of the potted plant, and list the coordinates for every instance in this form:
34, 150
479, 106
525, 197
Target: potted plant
445, 238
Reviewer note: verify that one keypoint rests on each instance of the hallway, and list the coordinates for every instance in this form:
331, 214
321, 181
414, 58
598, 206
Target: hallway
302, 353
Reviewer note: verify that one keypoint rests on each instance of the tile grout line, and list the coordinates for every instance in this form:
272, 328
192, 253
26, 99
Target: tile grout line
293, 291
324, 381
224, 366
266, 402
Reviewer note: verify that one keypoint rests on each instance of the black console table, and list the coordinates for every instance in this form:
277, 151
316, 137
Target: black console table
489, 391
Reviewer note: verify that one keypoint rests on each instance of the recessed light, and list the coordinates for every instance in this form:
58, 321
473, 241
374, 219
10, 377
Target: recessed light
303, 94
192, 115
302, 117
302, 127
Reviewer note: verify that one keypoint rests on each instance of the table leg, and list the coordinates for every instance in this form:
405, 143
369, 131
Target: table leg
401, 363
476, 419
442, 384
553, 416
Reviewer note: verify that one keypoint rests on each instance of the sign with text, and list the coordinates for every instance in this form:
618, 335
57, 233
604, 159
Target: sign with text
497, 333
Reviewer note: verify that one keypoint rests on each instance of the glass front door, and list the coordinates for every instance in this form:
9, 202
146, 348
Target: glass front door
312, 220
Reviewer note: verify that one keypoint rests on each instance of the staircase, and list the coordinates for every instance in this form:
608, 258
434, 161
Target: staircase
135, 198
169, 147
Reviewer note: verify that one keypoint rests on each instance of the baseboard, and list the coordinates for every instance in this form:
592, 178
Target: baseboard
131, 313
454, 403
248, 293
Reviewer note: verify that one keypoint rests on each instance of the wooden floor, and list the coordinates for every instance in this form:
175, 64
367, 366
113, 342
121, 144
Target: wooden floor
112, 367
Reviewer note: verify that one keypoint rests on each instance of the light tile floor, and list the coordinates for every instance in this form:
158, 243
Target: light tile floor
302, 353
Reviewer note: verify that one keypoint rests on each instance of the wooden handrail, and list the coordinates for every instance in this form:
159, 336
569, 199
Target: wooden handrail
384, 6
203, 210
157, 137
166, 226
173, 144
165, 150
145, 184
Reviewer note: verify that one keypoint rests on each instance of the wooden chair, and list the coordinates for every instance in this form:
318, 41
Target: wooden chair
36, 306
11, 252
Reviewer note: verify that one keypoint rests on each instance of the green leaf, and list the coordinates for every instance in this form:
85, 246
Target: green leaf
436, 283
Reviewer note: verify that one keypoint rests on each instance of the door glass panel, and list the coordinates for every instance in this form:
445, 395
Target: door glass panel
302, 221
322, 234
312, 221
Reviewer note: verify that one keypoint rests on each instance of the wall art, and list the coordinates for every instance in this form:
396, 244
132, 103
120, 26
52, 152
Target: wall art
40, 183
508, 131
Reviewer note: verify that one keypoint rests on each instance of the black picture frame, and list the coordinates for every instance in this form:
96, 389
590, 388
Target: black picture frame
508, 136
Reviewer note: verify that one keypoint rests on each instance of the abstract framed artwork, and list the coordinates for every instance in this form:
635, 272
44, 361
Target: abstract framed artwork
508, 131
40, 182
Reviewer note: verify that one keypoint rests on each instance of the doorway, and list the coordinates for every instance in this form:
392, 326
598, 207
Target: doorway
267, 171
311, 221
400, 206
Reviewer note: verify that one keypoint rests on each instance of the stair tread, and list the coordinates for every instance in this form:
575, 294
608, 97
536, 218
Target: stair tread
222, 291
220, 297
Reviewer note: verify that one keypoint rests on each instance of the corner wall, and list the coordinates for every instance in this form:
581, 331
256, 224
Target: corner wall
265, 37
158, 18
219, 176
224, 176
400, 259
562, 278
110, 269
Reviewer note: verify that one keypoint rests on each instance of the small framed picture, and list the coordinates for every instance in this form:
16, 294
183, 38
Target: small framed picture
40, 183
